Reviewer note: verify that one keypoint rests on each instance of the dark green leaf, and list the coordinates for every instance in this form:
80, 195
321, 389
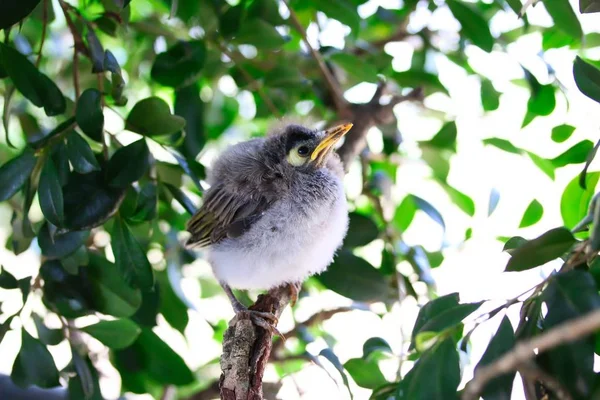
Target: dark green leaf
34, 364
190, 106
128, 164
445, 138
96, 50
80, 154
14, 173
355, 67
89, 201
532, 214
541, 250
7, 280
181, 198
173, 309
111, 294
335, 361
435, 376
130, 258
48, 336
34, 85
259, 34
354, 278
561, 133
445, 319
89, 114
490, 98
587, 78
375, 345
590, 157
60, 158
434, 308
152, 117
51, 195
564, 17
342, 10
430, 210
474, 26
116, 334
576, 154
361, 231
180, 64
417, 78
148, 311
84, 382
493, 203
513, 243
118, 83
575, 200
589, 6
570, 295
61, 244
365, 373
502, 342
12, 12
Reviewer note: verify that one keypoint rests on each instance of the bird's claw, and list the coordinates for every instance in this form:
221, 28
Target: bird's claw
266, 320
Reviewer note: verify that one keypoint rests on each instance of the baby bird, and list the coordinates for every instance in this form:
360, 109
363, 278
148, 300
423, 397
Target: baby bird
275, 212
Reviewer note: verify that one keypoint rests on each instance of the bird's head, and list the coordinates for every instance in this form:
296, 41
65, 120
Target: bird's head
306, 148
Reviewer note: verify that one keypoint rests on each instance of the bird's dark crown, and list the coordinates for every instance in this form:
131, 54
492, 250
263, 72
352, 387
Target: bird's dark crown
296, 134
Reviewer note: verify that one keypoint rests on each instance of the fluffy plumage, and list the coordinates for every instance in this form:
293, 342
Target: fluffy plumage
267, 222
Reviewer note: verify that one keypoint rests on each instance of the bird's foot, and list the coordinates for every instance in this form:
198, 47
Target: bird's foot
294, 291
265, 320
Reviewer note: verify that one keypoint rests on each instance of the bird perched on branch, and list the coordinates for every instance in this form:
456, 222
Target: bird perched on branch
275, 213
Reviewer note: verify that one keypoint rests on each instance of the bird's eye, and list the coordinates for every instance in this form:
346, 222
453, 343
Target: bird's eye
303, 151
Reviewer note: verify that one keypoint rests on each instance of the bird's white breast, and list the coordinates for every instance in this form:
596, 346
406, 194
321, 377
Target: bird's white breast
285, 245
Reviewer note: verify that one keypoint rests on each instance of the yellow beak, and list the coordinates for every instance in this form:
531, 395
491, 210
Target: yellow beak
332, 136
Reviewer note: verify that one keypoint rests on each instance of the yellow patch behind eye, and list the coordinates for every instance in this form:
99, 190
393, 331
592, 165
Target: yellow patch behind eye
296, 159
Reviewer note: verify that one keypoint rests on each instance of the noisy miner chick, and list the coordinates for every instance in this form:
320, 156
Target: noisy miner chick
275, 212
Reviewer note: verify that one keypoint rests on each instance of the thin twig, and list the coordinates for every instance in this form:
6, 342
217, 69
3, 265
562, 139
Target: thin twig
524, 351
44, 28
334, 87
76, 73
254, 85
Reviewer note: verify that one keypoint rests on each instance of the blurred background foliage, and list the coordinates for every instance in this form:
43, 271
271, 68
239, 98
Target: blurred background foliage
113, 111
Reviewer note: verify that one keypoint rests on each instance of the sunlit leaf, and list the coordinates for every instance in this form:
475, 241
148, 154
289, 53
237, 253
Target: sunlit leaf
116, 334
561, 133
574, 155
532, 214
474, 26
575, 200
564, 17
152, 117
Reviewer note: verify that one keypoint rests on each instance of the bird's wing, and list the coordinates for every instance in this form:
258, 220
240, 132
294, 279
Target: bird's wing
224, 214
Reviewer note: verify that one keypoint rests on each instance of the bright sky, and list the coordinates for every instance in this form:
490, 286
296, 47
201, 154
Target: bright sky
474, 269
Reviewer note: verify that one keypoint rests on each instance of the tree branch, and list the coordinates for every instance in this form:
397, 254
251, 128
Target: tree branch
336, 91
523, 352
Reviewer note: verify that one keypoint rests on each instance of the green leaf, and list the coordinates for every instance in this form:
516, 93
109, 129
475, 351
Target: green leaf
89, 201
503, 341
589, 6
128, 164
260, 34
130, 258
430, 210
432, 309
542, 101
575, 200
116, 334
474, 26
375, 345
51, 195
148, 311
147, 204
590, 157
50, 337
564, 17
190, 106
464, 202
173, 309
513, 243
7, 280
181, 198
587, 78
81, 155
404, 214
447, 318
89, 114
12, 12
342, 10
152, 117
34, 85
490, 98
435, 376
34, 364
15, 172
502, 144
60, 159
354, 278
574, 155
355, 67
532, 214
414, 78
161, 363
445, 138
84, 385
570, 295
547, 247
365, 373
111, 294
181, 63
546, 166
61, 244
361, 231
561, 133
